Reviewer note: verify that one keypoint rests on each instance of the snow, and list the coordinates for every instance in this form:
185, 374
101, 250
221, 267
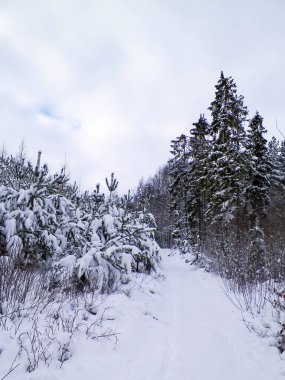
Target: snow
179, 328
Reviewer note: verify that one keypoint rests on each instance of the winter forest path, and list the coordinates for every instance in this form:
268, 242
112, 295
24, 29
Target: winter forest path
206, 336
183, 328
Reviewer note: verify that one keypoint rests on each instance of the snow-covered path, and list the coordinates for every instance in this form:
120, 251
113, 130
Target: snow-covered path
206, 336
183, 328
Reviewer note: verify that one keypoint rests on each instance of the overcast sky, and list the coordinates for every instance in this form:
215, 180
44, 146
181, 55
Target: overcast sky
105, 85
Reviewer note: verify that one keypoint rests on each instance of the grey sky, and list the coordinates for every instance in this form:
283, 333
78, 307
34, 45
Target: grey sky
108, 84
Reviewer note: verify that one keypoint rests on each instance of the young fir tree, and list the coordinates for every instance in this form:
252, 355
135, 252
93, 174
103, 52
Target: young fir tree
227, 167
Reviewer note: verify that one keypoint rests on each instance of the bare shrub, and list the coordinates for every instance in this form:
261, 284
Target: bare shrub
248, 297
44, 321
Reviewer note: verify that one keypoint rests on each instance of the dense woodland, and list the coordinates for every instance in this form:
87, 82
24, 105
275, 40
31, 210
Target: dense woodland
223, 195
219, 200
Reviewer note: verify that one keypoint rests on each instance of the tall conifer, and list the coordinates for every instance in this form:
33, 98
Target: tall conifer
227, 168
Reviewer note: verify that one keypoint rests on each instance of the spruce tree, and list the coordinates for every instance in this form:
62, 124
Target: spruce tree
227, 167
282, 162
259, 168
275, 155
179, 189
257, 196
274, 158
197, 173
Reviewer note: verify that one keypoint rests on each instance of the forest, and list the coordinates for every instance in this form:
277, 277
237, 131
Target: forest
219, 202
224, 187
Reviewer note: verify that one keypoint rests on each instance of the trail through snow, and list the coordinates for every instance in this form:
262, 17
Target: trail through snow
182, 328
206, 335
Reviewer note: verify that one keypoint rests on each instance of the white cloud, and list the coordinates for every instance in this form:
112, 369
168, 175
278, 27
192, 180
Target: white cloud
121, 79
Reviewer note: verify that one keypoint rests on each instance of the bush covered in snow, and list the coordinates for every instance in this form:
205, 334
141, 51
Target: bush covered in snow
82, 239
59, 249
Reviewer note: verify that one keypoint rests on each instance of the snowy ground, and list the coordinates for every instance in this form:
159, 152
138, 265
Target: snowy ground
180, 328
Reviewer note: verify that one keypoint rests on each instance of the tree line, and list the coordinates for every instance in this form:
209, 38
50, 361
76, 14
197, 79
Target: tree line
223, 192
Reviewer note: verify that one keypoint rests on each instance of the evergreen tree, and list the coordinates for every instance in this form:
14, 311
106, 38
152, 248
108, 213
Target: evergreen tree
227, 166
259, 169
257, 196
275, 155
282, 162
274, 158
179, 188
198, 181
